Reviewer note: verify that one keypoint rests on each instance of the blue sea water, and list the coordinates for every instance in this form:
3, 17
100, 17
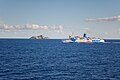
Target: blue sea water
29, 59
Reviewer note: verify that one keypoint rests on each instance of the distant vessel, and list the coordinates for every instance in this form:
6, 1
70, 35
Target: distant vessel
84, 38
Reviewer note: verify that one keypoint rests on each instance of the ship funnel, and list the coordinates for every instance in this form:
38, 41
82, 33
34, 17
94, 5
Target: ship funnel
85, 35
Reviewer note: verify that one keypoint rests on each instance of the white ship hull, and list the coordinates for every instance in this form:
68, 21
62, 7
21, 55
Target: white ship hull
79, 41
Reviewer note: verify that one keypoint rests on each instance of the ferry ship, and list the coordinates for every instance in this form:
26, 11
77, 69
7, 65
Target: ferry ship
84, 38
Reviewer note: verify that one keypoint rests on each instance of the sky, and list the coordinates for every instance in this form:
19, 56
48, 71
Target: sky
59, 18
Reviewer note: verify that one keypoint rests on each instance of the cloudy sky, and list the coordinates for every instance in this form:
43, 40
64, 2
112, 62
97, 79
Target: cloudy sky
59, 18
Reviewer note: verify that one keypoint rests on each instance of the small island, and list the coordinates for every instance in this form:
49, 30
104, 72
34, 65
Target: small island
39, 37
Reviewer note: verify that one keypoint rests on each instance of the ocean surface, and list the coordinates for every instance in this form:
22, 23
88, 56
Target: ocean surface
29, 59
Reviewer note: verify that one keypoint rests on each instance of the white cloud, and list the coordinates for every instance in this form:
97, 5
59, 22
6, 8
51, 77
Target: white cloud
86, 28
58, 28
118, 18
114, 18
30, 27
35, 26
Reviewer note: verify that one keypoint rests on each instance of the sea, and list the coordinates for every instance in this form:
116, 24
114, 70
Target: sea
50, 59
